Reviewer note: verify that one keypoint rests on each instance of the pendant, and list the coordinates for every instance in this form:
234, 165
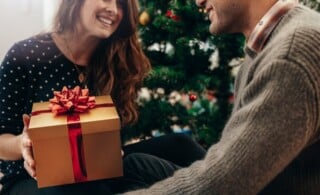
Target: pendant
81, 77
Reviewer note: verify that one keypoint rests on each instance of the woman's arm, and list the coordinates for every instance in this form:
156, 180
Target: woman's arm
17, 147
15, 143
10, 147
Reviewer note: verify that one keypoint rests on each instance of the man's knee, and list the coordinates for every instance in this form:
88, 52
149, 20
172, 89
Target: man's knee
148, 165
139, 160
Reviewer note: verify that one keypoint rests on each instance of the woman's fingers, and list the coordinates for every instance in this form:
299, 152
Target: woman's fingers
26, 148
26, 141
27, 156
29, 169
29, 162
26, 121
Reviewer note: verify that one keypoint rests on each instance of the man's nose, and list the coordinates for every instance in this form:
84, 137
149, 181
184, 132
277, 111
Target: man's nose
200, 3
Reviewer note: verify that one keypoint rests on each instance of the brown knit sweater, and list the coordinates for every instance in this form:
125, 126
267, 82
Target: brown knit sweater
269, 145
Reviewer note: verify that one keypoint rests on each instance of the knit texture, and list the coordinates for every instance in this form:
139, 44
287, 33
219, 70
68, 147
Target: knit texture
269, 145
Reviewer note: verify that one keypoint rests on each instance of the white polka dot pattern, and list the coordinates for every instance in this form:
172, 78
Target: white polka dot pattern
30, 72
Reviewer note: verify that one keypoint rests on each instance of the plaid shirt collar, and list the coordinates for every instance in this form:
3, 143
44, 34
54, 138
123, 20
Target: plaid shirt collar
266, 25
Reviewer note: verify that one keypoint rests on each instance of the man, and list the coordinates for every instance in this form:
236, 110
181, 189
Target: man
270, 144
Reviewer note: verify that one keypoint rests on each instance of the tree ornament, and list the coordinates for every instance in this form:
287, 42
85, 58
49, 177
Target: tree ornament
211, 94
144, 18
231, 99
172, 15
192, 97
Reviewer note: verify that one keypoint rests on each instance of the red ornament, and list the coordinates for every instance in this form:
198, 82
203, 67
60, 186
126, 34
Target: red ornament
172, 15
193, 97
231, 99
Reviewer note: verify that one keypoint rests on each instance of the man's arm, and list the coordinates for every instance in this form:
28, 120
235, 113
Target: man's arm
275, 123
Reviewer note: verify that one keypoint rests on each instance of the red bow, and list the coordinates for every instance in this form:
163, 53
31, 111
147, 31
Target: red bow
71, 101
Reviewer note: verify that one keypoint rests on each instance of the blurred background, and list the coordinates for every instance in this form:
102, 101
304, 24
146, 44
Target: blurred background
23, 18
190, 89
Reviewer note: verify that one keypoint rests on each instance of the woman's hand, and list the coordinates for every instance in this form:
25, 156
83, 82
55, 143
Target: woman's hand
26, 148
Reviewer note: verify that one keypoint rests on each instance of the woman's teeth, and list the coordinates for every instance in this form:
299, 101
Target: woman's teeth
106, 21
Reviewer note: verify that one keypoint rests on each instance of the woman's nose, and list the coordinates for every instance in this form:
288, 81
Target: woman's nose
112, 7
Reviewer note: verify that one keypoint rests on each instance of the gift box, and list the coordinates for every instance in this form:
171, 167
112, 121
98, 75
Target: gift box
75, 145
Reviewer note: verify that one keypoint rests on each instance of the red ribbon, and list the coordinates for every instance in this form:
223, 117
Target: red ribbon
76, 146
72, 102
38, 112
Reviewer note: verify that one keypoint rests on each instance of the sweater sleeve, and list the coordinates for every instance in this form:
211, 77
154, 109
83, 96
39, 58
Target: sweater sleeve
13, 90
276, 121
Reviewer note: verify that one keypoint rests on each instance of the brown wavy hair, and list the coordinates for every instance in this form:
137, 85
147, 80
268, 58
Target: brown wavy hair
118, 65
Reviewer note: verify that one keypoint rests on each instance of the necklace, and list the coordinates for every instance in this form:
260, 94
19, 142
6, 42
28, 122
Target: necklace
81, 74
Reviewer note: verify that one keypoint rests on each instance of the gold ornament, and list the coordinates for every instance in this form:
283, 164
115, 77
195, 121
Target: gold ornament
144, 18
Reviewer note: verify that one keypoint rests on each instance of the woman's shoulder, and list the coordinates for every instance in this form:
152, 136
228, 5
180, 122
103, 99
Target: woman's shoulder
35, 49
35, 40
37, 46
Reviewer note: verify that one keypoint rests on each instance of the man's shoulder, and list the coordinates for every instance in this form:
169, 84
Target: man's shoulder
297, 44
297, 40
301, 45
300, 21
302, 15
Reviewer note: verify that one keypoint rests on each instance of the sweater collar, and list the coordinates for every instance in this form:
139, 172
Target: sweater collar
266, 25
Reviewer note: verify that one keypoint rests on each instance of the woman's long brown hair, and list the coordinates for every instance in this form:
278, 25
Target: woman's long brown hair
118, 65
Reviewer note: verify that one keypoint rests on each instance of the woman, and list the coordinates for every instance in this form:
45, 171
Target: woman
93, 43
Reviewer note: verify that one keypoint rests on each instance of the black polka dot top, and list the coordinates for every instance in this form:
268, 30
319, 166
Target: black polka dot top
30, 72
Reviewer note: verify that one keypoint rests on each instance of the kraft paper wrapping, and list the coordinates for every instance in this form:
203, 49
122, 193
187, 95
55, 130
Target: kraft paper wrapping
51, 148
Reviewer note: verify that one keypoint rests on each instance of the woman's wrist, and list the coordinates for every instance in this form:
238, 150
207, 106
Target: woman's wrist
10, 147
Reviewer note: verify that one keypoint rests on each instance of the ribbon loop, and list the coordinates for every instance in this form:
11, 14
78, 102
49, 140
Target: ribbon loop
74, 100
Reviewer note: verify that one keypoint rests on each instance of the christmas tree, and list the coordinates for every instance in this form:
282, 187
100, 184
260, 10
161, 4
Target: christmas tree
190, 86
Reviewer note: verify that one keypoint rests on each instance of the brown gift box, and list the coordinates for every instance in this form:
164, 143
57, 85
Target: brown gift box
100, 127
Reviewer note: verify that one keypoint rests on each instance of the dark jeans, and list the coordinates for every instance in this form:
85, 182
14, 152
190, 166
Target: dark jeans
178, 148
140, 171
144, 163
